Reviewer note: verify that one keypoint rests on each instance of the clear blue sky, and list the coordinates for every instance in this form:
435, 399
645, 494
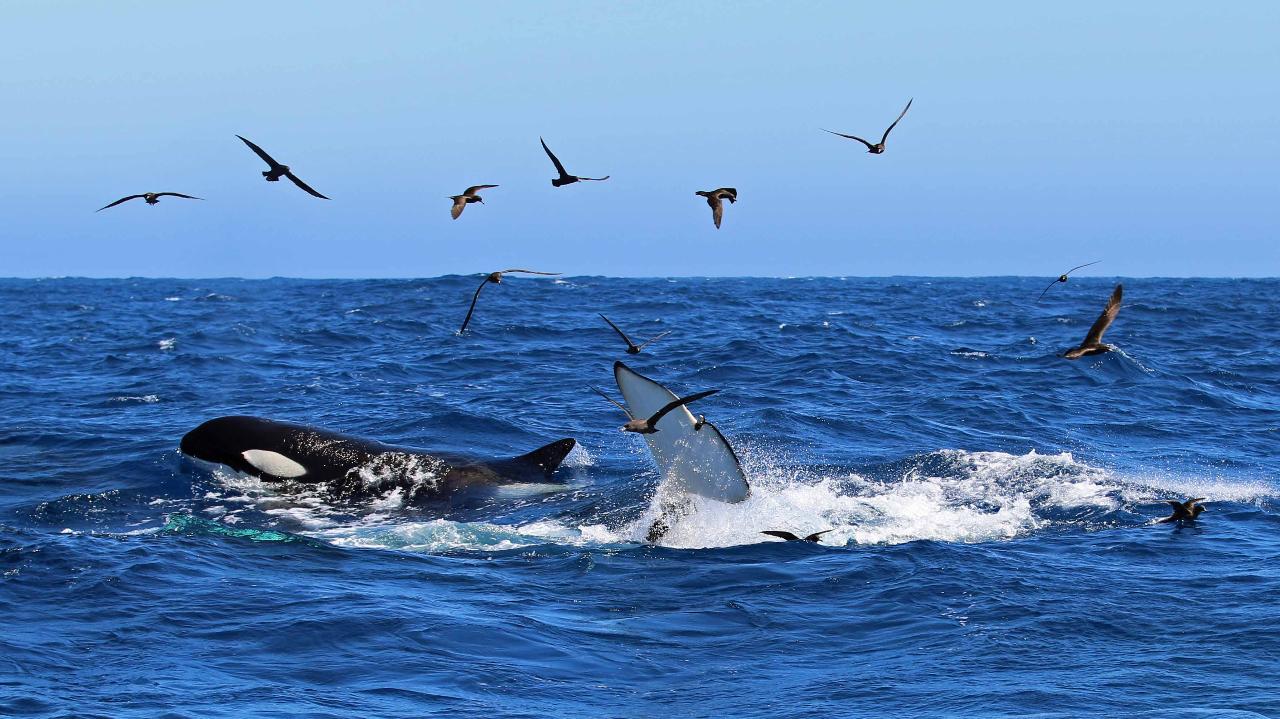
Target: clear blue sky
1043, 135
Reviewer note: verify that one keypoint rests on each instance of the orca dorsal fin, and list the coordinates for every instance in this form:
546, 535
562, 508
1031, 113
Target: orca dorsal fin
547, 459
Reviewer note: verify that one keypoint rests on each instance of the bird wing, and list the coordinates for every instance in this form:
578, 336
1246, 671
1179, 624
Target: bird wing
1042, 294
472, 308
476, 188
614, 401
781, 535
594, 179
657, 416
1174, 503
621, 334
122, 199
261, 153
1106, 318
1073, 269
554, 160
531, 272
459, 204
653, 339
885, 136
717, 209
851, 137
304, 186
178, 194
728, 193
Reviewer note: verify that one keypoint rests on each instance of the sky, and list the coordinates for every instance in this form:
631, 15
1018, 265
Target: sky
1042, 136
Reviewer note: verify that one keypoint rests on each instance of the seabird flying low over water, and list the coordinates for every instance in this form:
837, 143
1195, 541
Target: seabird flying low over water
468, 196
277, 170
793, 538
495, 278
1092, 344
1063, 277
152, 198
632, 347
714, 198
878, 148
565, 178
649, 426
1184, 511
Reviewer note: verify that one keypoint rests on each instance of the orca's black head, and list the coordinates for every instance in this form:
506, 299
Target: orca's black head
223, 440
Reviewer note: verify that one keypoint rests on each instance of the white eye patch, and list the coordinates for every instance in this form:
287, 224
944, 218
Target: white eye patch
273, 463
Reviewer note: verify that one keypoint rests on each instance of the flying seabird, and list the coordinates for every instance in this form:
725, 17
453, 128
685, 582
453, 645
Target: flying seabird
877, 148
1063, 277
1092, 344
495, 278
468, 196
649, 426
565, 178
793, 538
152, 198
714, 198
277, 170
632, 347
1184, 511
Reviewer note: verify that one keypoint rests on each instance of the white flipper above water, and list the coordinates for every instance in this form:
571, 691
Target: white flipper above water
693, 461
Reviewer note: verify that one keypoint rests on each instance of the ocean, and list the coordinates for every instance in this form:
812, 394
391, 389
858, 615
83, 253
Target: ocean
993, 551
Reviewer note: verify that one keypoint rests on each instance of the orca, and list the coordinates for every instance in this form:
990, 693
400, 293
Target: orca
355, 468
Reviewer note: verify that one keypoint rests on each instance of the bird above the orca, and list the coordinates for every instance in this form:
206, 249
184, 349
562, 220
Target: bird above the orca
495, 278
152, 198
565, 178
1063, 277
877, 148
649, 425
467, 197
1186, 511
277, 170
632, 347
1092, 344
715, 201
788, 536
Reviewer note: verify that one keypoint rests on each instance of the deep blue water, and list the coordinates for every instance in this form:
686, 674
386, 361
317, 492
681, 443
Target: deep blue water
993, 552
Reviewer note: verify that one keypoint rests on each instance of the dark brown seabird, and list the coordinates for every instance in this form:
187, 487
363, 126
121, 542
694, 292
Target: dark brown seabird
1092, 344
878, 148
649, 426
793, 538
1184, 511
495, 278
565, 178
468, 196
1063, 277
152, 198
277, 170
632, 347
714, 198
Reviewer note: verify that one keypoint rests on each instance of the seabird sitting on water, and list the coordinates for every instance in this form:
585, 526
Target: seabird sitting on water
277, 170
1092, 344
793, 538
1063, 277
632, 347
714, 198
468, 196
1184, 511
152, 198
495, 278
565, 178
877, 148
649, 426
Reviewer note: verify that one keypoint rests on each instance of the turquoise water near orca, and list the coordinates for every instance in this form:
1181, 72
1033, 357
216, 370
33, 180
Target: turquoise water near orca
993, 551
